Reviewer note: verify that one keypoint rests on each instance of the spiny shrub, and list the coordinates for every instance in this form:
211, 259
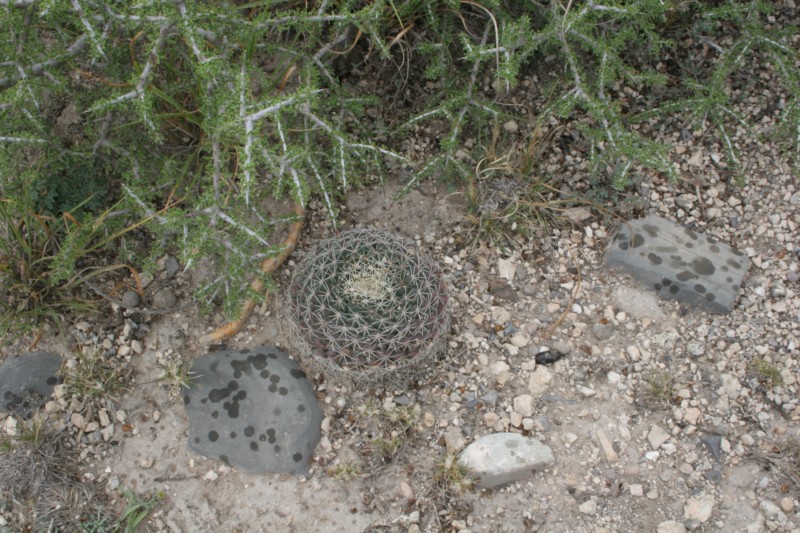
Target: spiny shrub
366, 302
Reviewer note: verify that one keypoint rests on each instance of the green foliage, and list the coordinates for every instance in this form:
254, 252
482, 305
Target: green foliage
193, 119
136, 510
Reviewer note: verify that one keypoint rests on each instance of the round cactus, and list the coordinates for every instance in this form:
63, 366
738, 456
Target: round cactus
368, 303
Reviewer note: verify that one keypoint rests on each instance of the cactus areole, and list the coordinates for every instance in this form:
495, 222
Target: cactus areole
368, 300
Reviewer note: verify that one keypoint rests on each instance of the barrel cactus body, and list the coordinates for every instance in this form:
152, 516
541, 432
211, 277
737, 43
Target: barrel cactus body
368, 304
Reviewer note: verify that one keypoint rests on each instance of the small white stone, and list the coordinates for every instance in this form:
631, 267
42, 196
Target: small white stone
511, 349
501, 458
506, 268
692, 415
787, 504
540, 380
524, 405
78, 421
698, 509
613, 378
671, 526
588, 507
657, 437
520, 340
637, 490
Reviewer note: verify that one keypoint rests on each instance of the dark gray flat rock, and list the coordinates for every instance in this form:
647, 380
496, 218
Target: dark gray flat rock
679, 263
27, 381
254, 409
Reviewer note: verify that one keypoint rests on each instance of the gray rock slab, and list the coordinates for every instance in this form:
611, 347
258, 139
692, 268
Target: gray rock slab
27, 381
502, 458
679, 263
253, 409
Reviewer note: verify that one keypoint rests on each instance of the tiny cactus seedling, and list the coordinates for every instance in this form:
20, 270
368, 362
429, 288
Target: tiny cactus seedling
367, 303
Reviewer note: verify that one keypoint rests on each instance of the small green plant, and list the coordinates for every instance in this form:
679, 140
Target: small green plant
388, 429
658, 389
345, 471
367, 303
766, 372
95, 377
176, 373
451, 477
136, 510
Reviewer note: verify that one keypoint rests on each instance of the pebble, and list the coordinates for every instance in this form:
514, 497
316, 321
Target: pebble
540, 380
698, 509
671, 526
520, 340
603, 331
454, 439
657, 436
130, 299
164, 299
502, 458
524, 405
787, 504
608, 448
588, 507
636, 490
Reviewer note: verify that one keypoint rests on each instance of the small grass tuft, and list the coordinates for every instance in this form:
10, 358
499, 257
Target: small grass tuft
95, 377
766, 372
657, 390
451, 477
345, 471
136, 510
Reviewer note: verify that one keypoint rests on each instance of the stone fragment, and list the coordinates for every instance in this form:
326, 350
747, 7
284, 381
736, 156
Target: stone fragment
454, 440
540, 380
588, 507
27, 382
608, 448
524, 404
506, 268
679, 263
671, 526
698, 509
254, 409
657, 436
501, 458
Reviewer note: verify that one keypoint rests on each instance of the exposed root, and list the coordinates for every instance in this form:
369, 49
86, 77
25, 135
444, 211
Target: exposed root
268, 266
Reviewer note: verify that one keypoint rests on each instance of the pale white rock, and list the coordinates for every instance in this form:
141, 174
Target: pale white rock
10, 426
730, 385
499, 367
501, 458
524, 405
500, 315
637, 490
608, 448
588, 507
586, 392
78, 421
540, 380
454, 440
696, 159
671, 526
699, 509
506, 268
511, 349
787, 504
657, 436
520, 340
772, 512
613, 378
692, 415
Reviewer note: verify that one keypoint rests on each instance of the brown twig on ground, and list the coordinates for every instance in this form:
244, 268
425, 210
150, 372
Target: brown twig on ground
268, 266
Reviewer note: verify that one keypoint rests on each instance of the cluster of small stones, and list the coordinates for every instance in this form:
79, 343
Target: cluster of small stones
94, 425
